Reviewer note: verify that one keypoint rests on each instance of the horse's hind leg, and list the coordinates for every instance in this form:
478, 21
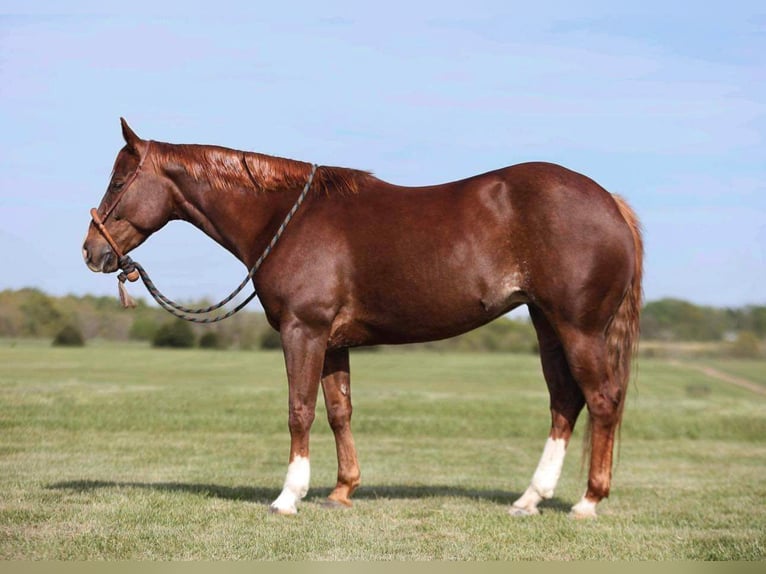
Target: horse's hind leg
566, 402
588, 360
336, 385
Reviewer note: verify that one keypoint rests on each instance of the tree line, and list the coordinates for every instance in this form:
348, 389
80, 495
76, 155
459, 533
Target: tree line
678, 320
31, 313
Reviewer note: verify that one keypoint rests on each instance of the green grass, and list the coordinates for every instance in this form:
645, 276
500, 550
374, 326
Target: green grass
751, 370
124, 452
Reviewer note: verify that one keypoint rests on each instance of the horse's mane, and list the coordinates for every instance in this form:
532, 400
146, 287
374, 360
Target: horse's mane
226, 169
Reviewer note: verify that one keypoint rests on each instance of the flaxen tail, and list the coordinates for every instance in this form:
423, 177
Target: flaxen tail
622, 335
623, 332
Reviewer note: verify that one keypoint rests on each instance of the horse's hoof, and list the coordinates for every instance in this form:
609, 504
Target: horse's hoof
584, 510
519, 511
333, 504
289, 511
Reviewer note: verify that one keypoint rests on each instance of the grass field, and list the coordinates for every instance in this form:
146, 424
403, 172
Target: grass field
123, 452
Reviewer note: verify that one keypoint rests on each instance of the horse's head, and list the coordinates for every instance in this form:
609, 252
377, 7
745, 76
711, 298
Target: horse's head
138, 202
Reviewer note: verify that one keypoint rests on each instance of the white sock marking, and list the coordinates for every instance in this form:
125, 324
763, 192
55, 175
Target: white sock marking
545, 477
548, 471
584, 509
295, 488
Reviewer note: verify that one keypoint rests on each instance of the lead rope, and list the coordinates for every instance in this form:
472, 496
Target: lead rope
132, 270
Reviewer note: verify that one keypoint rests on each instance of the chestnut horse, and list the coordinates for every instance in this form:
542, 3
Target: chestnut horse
365, 262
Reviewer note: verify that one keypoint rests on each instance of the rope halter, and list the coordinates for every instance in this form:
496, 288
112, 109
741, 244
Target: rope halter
132, 270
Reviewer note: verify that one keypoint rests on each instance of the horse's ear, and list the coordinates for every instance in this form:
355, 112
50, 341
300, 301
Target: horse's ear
130, 136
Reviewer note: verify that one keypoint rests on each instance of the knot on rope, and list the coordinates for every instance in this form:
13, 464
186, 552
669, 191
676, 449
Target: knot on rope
129, 273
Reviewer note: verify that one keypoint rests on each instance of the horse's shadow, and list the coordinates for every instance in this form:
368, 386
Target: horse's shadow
267, 495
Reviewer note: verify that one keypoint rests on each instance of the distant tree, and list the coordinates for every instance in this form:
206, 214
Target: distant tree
69, 336
40, 314
244, 330
143, 328
675, 319
271, 339
503, 335
211, 340
758, 320
29, 312
746, 346
176, 334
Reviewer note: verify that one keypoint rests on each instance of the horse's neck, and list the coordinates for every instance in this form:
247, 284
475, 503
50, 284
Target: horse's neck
239, 199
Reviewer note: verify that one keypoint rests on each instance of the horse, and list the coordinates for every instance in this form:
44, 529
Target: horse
365, 262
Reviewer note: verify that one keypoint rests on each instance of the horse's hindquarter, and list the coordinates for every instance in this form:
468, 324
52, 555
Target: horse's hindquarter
579, 248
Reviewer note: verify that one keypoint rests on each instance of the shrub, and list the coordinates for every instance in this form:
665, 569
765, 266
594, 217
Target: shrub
746, 346
41, 314
69, 336
271, 339
143, 328
211, 340
176, 334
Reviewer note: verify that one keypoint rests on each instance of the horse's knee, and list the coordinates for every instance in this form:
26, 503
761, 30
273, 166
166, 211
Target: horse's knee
605, 405
300, 419
339, 416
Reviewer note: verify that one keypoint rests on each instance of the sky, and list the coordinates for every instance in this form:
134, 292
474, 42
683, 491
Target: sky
663, 104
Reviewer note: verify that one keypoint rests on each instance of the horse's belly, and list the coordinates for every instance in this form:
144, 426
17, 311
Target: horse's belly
412, 313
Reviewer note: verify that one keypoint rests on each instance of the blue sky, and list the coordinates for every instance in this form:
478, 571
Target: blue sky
664, 103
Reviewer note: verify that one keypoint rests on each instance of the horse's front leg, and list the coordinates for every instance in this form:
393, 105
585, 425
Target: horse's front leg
304, 350
336, 385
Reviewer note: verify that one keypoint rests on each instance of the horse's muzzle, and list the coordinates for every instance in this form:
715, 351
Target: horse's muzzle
99, 257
